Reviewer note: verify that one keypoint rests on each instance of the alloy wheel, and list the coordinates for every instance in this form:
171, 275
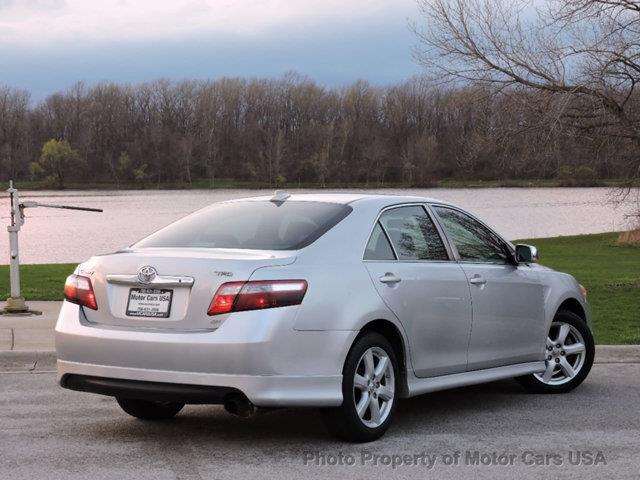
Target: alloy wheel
374, 387
565, 354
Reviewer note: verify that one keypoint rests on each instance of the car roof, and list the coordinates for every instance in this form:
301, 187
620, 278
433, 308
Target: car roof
348, 198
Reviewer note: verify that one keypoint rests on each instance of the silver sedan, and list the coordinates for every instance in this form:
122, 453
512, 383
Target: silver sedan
344, 302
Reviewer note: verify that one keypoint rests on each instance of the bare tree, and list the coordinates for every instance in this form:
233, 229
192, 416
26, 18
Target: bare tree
583, 56
293, 130
14, 129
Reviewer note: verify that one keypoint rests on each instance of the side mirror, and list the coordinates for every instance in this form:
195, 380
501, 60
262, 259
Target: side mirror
527, 254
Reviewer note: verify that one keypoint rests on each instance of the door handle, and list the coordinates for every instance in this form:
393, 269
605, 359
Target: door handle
477, 280
389, 278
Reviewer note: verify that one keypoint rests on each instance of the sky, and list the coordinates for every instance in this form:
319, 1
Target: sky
47, 45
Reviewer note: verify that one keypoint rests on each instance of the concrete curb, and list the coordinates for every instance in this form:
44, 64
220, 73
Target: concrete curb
29, 333
617, 354
45, 360
27, 361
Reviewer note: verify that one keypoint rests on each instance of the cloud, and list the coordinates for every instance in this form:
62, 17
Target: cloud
32, 5
33, 23
47, 45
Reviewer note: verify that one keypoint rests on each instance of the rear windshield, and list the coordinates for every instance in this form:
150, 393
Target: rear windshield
254, 225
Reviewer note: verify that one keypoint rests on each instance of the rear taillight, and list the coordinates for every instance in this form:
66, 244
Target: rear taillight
78, 289
241, 296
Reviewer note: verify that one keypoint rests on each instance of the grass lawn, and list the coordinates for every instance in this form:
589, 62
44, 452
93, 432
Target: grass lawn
611, 274
39, 282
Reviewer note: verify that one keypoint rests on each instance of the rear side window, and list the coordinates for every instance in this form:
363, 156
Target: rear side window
254, 225
413, 234
379, 247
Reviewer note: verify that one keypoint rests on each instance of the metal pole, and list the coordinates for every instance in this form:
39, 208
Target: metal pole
15, 302
14, 266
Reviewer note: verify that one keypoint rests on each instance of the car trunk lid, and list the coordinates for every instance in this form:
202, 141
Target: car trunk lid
168, 288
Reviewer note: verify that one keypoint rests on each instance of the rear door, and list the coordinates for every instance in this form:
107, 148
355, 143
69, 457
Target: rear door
508, 313
412, 271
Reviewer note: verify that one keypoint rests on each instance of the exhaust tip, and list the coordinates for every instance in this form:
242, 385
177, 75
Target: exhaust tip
239, 405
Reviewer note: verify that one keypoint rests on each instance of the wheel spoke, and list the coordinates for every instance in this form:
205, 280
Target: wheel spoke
567, 368
368, 364
562, 334
385, 393
381, 368
363, 404
548, 373
574, 348
360, 382
568, 343
374, 386
374, 407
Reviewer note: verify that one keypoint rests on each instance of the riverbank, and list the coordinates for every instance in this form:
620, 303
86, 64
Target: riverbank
611, 274
227, 183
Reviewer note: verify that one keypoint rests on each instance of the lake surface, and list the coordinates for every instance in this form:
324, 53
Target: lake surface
55, 236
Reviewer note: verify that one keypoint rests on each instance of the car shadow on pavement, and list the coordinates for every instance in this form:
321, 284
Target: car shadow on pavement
476, 409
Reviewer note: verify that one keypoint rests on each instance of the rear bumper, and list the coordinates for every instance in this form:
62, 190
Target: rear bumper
197, 387
161, 392
257, 353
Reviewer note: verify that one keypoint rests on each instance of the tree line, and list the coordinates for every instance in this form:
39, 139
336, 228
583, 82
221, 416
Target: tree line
293, 130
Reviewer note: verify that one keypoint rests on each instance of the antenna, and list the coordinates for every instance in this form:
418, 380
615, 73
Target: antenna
280, 196
16, 303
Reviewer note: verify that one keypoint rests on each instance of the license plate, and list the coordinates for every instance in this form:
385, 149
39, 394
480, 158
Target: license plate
149, 302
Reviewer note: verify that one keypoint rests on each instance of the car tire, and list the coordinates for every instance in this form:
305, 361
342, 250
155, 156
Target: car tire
578, 329
149, 410
345, 422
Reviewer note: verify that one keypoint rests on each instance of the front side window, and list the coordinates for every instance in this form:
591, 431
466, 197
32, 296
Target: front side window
254, 225
413, 234
474, 242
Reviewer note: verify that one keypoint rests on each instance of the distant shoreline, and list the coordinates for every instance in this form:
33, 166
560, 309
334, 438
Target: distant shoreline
227, 184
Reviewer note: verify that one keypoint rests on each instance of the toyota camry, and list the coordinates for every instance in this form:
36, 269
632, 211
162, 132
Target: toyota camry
347, 303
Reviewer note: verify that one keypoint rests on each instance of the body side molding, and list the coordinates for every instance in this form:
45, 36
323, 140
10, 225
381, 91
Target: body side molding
418, 386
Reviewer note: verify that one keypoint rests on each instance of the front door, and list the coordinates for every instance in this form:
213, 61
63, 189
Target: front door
415, 276
508, 306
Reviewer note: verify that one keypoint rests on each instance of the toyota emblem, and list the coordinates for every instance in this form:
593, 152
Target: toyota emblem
146, 274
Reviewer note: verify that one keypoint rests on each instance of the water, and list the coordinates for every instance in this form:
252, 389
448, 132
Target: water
54, 236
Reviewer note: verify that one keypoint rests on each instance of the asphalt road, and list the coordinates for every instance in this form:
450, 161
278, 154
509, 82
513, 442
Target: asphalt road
49, 433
